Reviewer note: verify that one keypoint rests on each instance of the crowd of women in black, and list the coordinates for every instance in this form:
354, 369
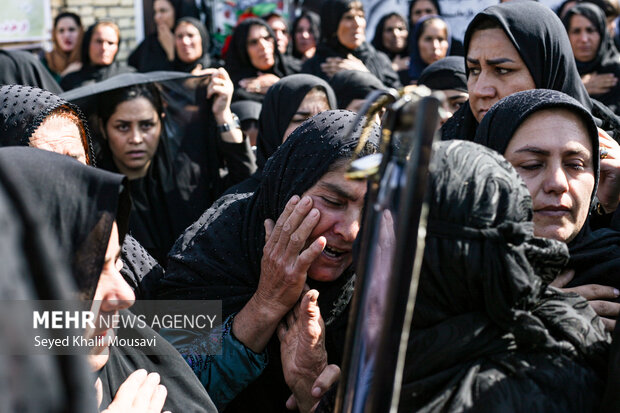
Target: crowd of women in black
199, 175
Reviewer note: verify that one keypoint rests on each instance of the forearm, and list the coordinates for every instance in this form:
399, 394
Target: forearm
255, 325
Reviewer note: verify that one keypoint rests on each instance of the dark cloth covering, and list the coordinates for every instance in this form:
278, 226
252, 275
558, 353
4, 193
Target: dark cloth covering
541, 41
23, 68
607, 59
376, 62
219, 256
23, 110
280, 105
240, 67
487, 334
33, 268
377, 43
205, 59
416, 64
352, 84
594, 255
315, 28
447, 73
246, 110
149, 56
90, 73
184, 177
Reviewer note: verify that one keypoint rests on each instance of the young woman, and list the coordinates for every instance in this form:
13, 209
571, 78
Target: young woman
430, 42
67, 36
191, 45
306, 34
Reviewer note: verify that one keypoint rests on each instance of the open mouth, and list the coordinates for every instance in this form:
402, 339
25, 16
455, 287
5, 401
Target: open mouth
332, 252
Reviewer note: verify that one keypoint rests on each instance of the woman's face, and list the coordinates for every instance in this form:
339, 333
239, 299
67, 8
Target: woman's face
261, 47
420, 9
395, 34
552, 152
133, 133
584, 38
188, 42
352, 29
339, 202
111, 295
304, 38
314, 103
67, 34
59, 134
433, 42
279, 28
103, 46
496, 70
164, 13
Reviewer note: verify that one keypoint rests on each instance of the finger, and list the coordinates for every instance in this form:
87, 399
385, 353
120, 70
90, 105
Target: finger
277, 229
309, 308
269, 224
291, 403
99, 391
126, 392
610, 325
293, 222
329, 376
594, 291
282, 330
299, 238
605, 308
563, 279
145, 393
307, 257
158, 399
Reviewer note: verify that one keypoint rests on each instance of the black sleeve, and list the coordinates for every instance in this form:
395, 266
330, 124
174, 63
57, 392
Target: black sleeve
240, 161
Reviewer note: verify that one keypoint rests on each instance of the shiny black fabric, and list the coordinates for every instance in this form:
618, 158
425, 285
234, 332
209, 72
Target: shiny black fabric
149, 56
90, 73
205, 60
24, 108
23, 68
219, 256
33, 268
240, 67
447, 73
352, 84
541, 40
487, 334
184, 177
280, 105
376, 62
607, 59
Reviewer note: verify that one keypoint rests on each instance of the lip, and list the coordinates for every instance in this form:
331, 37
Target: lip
553, 211
483, 112
136, 154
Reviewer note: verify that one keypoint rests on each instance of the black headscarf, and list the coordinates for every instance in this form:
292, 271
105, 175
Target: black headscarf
487, 333
219, 256
23, 68
594, 255
205, 59
89, 72
541, 40
376, 62
377, 41
447, 73
607, 59
184, 177
24, 108
315, 28
352, 84
239, 65
33, 268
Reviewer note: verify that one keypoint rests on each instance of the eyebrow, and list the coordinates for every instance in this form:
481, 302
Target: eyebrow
491, 62
338, 190
538, 151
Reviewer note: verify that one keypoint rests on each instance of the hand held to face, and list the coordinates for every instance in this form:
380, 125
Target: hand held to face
608, 191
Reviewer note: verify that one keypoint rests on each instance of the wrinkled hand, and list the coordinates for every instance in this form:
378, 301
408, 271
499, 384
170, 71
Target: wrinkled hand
596, 295
286, 258
304, 358
334, 65
166, 40
140, 393
259, 84
598, 84
400, 63
608, 191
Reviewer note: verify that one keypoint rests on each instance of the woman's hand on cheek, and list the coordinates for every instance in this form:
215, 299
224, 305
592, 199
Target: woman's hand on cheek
608, 191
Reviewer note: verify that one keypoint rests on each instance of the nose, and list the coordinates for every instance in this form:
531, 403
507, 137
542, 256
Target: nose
483, 87
136, 136
118, 295
348, 226
305, 34
555, 180
359, 21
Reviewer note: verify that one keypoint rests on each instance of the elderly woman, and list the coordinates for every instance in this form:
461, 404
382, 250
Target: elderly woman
256, 251
488, 334
552, 142
191, 45
391, 38
99, 50
254, 61
343, 45
512, 47
597, 58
